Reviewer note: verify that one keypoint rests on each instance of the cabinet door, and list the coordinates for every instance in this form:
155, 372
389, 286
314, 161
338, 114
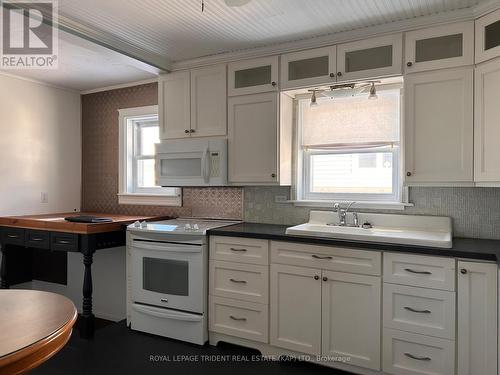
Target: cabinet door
296, 308
439, 126
440, 47
488, 36
208, 101
174, 105
477, 318
253, 76
375, 57
486, 122
252, 138
351, 318
308, 68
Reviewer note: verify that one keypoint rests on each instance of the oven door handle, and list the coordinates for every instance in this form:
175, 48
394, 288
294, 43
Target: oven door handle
167, 314
168, 248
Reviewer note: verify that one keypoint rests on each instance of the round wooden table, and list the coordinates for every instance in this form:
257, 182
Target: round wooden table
34, 326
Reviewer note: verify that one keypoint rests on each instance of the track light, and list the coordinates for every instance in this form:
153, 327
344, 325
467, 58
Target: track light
314, 99
373, 92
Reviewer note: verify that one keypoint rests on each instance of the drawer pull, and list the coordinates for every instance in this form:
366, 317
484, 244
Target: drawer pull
320, 257
238, 281
240, 250
239, 319
417, 311
63, 242
164, 300
418, 358
418, 272
15, 236
37, 239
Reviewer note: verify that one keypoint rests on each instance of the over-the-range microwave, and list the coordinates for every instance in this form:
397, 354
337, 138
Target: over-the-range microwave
191, 162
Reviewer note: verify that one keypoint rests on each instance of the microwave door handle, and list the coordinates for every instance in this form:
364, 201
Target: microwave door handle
205, 161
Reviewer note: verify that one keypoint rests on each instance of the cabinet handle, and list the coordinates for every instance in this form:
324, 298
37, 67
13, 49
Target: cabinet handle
273, 83
192, 130
417, 311
63, 242
186, 131
37, 239
463, 271
325, 278
409, 64
238, 281
339, 74
408, 174
332, 75
240, 250
273, 175
418, 358
418, 272
240, 319
164, 300
13, 236
316, 277
320, 257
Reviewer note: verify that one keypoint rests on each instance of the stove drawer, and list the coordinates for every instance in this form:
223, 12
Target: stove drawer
238, 318
245, 282
241, 250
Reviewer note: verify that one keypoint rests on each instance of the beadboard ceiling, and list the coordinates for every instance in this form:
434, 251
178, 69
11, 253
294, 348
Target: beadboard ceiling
177, 29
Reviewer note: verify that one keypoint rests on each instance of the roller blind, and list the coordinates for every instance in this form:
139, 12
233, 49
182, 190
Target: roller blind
353, 121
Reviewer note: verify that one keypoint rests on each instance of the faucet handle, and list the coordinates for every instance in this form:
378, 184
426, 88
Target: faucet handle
336, 206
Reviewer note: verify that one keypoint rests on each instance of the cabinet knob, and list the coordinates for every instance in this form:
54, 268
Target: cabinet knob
186, 131
316, 277
408, 174
325, 278
273, 175
273, 83
463, 271
332, 75
339, 74
192, 130
409, 64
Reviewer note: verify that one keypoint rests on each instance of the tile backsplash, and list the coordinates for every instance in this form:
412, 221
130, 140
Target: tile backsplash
475, 211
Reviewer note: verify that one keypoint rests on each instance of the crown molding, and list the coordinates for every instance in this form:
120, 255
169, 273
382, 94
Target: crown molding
121, 86
488, 7
38, 82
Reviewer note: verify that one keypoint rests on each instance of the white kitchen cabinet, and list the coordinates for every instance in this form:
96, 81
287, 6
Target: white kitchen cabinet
370, 58
295, 311
486, 122
253, 76
208, 101
351, 318
308, 68
477, 318
439, 47
439, 126
174, 100
488, 36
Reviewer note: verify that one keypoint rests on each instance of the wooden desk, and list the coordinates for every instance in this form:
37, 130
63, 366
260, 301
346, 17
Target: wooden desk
34, 326
52, 232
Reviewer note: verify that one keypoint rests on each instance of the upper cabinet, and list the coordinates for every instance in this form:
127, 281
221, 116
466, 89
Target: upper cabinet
253, 76
488, 36
440, 47
306, 68
193, 103
370, 58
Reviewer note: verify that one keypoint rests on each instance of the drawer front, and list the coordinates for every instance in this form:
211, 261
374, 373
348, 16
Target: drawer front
326, 257
238, 318
419, 270
424, 311
63, 241
37, 238
241, 250
246, 282
12, 236
411, 354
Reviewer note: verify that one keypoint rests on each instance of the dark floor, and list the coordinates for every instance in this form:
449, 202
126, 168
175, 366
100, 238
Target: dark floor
118, 350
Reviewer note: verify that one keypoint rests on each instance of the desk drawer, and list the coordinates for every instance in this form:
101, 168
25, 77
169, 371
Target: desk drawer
64, 241
13, 236
420, 270
425, 311
37, 238
241, 250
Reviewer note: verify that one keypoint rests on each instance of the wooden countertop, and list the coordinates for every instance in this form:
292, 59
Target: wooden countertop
34, 326
56, 222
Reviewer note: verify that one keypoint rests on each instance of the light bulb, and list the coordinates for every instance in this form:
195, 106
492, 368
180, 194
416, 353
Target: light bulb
373, 92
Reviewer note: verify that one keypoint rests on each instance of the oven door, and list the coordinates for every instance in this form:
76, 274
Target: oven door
169, 275
183, 168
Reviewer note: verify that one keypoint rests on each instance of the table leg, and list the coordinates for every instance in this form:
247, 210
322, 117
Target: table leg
87, 317
3, 269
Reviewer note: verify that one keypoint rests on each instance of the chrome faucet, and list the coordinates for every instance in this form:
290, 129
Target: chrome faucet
343, 214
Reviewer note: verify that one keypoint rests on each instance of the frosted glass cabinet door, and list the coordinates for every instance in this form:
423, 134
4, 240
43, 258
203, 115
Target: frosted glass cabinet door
307, 68
488, 36
370, 58
440, 47
253, 76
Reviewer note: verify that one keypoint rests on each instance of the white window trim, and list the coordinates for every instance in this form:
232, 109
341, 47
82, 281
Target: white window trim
150, 197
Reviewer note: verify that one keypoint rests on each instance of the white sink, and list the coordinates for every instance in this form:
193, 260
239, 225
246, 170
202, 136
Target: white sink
432, 231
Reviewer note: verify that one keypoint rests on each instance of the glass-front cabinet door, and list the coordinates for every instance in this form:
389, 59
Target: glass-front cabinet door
440, 47
370, 58
308, 68
253, 76
488, 36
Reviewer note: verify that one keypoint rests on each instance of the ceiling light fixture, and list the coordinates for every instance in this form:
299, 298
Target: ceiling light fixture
373, 92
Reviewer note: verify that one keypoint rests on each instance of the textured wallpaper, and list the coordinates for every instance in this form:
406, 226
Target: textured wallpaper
100, 162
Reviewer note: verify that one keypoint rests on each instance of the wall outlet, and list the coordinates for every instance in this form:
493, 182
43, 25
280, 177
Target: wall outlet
280, 198
44, 197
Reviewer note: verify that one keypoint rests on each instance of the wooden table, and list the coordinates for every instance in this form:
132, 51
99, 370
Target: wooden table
52, 232
34, 326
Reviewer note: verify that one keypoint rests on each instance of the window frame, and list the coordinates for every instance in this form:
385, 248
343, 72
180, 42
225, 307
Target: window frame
129, 191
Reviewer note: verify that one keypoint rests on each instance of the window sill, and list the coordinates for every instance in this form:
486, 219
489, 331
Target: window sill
396, 206
150, 199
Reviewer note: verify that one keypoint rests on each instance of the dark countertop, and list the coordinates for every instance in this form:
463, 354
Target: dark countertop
462, 247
